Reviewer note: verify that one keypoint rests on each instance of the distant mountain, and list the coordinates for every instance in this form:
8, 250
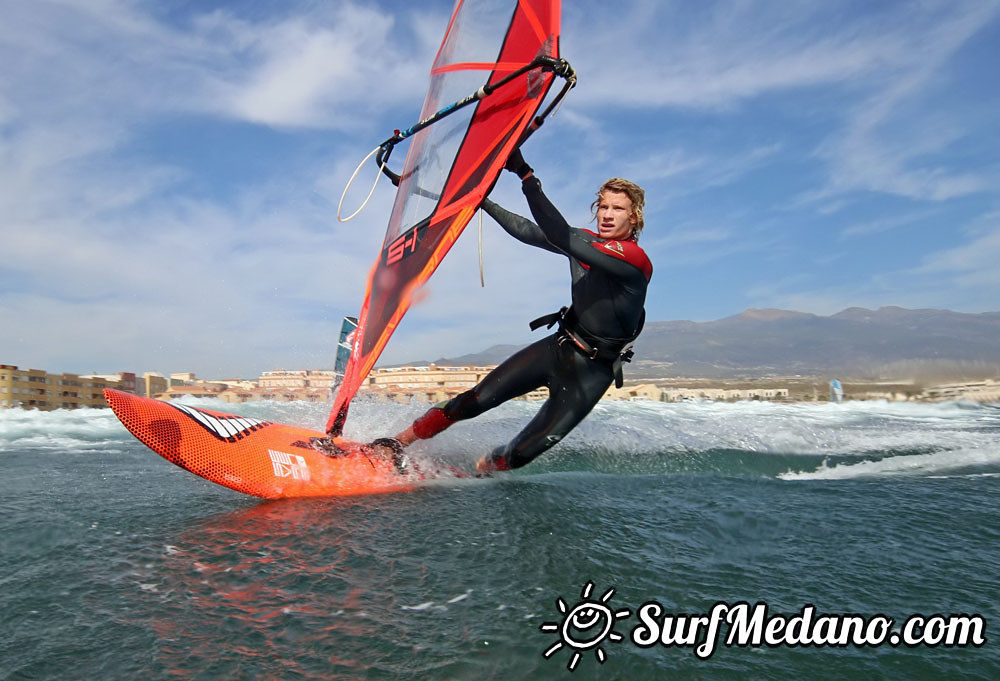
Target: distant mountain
890, 341
491, 355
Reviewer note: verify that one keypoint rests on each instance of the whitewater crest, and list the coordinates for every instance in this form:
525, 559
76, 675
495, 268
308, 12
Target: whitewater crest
793, 442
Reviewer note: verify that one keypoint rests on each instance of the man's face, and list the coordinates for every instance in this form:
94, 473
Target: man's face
615, 218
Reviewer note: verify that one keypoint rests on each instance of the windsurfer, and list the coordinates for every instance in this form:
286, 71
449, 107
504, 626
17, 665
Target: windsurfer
610, 274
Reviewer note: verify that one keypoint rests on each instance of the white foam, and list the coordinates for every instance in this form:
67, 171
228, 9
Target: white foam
826, 429
933, 464
59, 430
905, 437
424, 607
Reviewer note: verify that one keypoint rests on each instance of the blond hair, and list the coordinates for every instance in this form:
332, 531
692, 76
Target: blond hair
633, 191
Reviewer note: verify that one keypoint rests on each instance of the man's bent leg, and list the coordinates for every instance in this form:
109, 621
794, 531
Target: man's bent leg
522, 372
580, 385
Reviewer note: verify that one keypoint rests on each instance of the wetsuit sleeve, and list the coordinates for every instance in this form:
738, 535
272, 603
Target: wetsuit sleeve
573, 242
518, 227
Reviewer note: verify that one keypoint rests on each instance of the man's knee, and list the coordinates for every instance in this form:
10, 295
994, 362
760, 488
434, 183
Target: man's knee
464, 406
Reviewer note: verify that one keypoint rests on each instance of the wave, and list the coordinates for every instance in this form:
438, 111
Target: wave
950, 463
60, 430
797, 441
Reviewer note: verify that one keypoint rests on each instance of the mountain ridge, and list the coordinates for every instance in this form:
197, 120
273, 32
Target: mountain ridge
765, 342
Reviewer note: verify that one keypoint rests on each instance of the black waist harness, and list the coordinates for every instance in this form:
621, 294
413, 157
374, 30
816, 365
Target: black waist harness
615, 351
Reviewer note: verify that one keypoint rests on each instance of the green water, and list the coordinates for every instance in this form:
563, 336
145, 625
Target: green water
117, 565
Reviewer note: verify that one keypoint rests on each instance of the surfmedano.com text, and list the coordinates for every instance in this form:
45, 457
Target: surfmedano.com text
753, 627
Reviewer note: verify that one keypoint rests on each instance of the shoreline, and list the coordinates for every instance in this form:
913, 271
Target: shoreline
816, 388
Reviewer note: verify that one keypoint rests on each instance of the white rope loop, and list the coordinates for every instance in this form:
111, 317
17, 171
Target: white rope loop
351, 181
482, 278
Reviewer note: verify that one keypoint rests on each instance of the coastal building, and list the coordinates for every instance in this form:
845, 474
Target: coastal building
426, 378
987, 390
423, 383
37, 389
645, 392
299, 379
123, 380
151, 384
239, 395
190, 379
430, 383
199, 390
237, 383
399, 384
723, 395
654, 393
539, 395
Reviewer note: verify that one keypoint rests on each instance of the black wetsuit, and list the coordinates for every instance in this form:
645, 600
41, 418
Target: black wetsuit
609, 280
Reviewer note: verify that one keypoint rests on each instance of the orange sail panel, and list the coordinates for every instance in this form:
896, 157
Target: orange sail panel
451, 165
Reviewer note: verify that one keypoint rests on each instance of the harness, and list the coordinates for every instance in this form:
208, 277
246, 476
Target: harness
616, 351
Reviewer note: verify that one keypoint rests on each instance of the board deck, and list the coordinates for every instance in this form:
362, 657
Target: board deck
260, 458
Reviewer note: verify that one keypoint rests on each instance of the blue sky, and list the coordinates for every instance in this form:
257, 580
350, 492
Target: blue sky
169, 178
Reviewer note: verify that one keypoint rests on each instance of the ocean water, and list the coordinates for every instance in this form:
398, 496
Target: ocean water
117, 565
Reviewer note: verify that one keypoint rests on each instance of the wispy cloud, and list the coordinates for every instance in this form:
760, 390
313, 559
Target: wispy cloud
886, 66
892, 139
973, 263
963, 277
717, 55
887, 224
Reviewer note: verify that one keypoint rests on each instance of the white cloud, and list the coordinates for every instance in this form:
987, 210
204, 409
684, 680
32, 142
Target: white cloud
714, 56
310, 68
324, 74
892, 138
100, 235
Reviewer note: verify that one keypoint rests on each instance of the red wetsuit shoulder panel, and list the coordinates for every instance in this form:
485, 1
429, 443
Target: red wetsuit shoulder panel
629, 251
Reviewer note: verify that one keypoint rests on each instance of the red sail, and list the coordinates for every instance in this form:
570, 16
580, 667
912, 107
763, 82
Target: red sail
452, 163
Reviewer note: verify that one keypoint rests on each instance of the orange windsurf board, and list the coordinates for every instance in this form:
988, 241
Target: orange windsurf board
260, 458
